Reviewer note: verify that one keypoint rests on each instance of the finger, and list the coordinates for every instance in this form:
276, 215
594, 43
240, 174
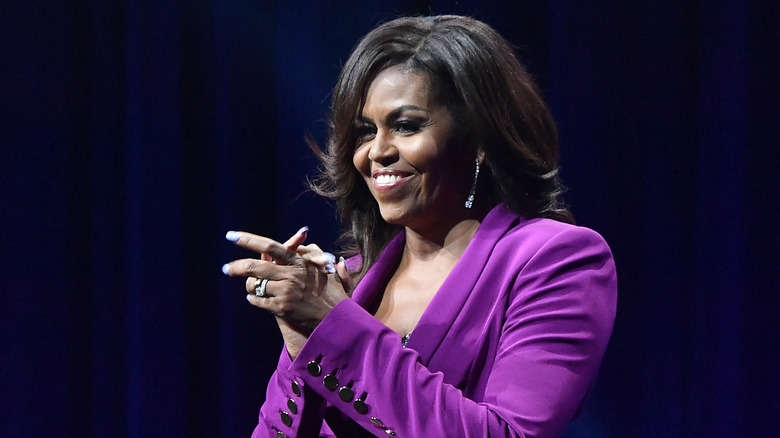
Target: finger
252, 268
254, 286
315, 254
250, 284
257, 301
265, 303
323, 260
298, 238
312, 248
346, 280
261, 244
293, 242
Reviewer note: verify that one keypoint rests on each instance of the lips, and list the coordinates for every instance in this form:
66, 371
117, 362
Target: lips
386, 179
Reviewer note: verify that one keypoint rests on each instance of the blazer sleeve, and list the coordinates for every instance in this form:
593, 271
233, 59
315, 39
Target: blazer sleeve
559, 317
291, 408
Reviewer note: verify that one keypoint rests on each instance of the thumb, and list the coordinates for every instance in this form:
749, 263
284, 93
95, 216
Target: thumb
346, 280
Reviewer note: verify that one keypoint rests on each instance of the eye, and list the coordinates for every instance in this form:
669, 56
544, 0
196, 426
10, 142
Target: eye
407, 126
364, 132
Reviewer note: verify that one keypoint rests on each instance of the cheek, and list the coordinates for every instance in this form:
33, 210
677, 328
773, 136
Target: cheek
360, 161
450, 168
431, 157
357, 159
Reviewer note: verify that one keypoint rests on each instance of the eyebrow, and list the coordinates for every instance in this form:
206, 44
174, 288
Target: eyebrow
396, 113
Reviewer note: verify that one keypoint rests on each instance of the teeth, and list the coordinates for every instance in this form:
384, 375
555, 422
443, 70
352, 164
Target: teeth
387, 179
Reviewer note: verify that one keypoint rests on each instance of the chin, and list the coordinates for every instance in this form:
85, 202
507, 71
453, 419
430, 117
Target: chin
392, 219
393, 216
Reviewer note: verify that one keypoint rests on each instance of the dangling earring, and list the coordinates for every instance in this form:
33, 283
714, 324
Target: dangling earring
473, 191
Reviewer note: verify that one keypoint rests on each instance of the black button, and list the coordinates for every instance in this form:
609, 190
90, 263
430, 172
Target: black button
314, 368
390, 432
377, 422
346, 394
296, 388
361, 407
330, 381
286, 418
292, 406
279, 434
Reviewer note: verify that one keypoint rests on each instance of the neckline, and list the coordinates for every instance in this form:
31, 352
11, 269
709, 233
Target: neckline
433, 325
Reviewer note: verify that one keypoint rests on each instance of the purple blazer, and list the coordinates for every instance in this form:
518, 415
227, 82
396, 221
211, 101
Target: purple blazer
509, 345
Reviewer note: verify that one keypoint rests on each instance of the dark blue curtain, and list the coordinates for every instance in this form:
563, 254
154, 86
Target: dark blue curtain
134, 133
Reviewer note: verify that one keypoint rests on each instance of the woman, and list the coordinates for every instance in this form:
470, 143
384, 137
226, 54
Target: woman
473, 306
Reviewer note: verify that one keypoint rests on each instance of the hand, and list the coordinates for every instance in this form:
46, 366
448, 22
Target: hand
299, 291
293, 338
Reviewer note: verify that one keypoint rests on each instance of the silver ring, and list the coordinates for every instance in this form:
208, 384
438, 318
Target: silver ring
260, 285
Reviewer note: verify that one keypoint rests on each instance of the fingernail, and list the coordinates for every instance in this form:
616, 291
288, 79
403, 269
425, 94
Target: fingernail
341, 260
232, 236
330, 258
226, 269
248, 298
302, 230
330, 268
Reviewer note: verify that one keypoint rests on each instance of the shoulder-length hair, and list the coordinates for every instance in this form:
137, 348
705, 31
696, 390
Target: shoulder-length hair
499, 111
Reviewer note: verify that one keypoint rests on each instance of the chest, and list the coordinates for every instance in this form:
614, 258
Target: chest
406, 298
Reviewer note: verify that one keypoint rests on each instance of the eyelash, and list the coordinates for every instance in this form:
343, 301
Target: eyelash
366, 132
407, 126
363, 132
402, 126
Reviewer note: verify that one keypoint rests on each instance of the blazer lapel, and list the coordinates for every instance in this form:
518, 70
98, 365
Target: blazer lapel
379, 274
453, 293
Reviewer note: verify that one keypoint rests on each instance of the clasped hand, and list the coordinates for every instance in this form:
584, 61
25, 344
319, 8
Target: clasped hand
303, 284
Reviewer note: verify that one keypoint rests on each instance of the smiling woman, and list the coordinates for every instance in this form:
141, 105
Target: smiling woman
405, 154
471, 305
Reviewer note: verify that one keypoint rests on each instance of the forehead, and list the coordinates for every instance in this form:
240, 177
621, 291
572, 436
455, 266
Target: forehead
397, 84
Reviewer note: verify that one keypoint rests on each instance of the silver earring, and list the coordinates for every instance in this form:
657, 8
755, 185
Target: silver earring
473, 191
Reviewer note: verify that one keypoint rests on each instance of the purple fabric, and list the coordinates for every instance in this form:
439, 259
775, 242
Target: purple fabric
509, 346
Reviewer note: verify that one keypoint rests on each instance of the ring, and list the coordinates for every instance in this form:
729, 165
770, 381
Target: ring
260, 285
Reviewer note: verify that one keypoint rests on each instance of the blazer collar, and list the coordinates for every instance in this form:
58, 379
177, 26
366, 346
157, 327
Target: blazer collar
457, 287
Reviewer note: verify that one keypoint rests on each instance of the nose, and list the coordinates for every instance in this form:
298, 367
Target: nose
382, 149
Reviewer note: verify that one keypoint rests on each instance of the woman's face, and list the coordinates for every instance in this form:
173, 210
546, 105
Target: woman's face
406, 153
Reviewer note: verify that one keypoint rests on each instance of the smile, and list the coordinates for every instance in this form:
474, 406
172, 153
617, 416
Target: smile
388, 180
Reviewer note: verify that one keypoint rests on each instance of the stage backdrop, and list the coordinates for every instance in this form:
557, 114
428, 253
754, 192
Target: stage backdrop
134, 133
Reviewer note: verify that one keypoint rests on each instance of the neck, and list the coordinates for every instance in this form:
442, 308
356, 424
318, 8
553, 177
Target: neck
448, 242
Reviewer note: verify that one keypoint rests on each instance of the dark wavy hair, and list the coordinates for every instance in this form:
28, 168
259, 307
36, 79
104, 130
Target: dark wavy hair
475, 73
